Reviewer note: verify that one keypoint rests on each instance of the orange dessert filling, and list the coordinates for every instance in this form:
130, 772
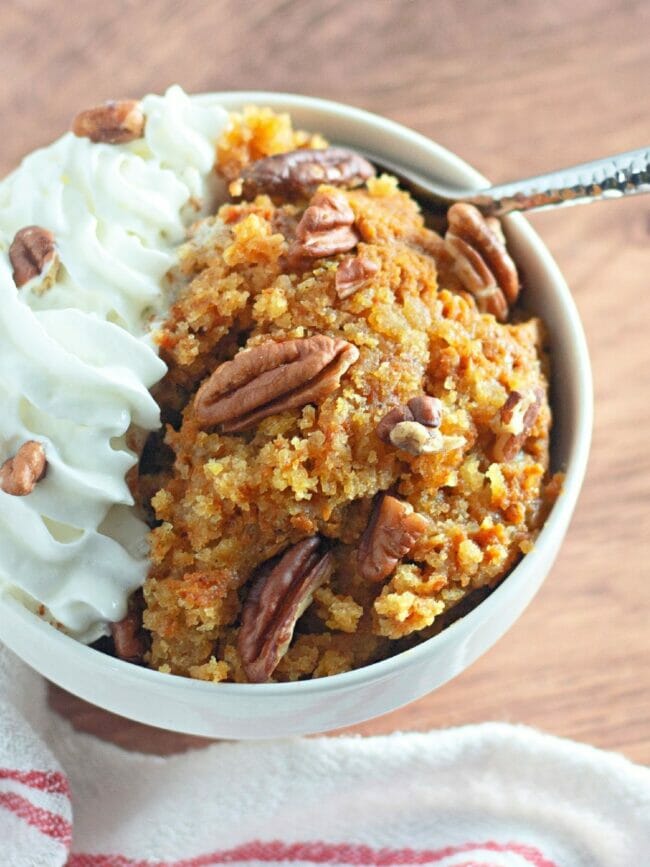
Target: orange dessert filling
356, 446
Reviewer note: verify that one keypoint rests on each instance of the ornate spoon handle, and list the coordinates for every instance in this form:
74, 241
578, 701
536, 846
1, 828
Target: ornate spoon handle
626, 174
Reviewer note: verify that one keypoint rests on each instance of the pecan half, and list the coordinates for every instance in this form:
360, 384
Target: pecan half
325, 229
129, 638
33, 253
516, 419
393, 530
271, 378
277, 599
413, 428
20, 474
298, 174
481, 260
352, 274
114, 122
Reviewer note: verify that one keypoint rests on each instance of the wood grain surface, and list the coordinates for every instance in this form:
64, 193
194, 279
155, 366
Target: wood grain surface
514, 88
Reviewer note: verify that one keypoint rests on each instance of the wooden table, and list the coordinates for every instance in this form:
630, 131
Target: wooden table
515, 89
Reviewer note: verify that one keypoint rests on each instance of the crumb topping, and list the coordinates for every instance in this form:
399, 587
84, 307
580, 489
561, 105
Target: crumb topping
229, 503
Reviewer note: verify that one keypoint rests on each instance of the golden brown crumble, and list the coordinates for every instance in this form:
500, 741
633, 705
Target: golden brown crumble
231, 502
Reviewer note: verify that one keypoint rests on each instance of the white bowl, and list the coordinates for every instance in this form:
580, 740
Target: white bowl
277, 710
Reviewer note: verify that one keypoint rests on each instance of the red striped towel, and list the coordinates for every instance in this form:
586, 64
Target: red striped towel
492, 795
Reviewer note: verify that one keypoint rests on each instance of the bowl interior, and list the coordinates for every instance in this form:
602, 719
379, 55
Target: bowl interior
76, 667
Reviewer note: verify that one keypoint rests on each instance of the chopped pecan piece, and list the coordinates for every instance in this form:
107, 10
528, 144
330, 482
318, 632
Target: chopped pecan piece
129, 638
114, 122
416, 438
393, 530
391, 420
271, 378
277, 599
33, 253
298, 174
481, 260
413, 428
516, 419
352, 274
325, 229
426, 410
20, 474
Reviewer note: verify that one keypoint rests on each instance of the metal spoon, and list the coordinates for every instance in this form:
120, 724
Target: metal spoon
611, 177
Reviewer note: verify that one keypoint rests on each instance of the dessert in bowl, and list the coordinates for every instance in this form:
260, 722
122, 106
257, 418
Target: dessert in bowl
355, 450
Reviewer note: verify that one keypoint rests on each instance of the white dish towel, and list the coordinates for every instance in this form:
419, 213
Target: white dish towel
492, 795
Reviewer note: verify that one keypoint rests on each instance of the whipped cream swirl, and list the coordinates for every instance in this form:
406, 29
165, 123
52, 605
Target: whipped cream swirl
77, 361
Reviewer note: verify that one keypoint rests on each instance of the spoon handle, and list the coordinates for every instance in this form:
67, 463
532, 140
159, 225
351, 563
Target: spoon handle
623, 175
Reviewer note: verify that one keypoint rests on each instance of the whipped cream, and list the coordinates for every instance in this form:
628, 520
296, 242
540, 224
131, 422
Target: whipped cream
77, 360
